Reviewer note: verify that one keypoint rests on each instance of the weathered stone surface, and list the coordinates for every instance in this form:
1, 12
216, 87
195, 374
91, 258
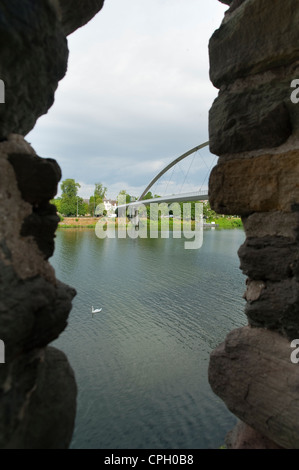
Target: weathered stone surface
37, 177
252, 372
74, 13
38, 401
259, 184
253, 290
27, 282
42, 225
269, 258
37, 385
275, 306
32, 312
244, 437
34, 306
16, 248
235, 4
32, 62
270, 224
256, 38
253, 118
254, 129
37, 180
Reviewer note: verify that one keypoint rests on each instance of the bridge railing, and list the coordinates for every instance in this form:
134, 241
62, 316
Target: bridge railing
184, 197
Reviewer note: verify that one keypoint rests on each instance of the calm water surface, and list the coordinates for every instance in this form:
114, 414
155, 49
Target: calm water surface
141, 364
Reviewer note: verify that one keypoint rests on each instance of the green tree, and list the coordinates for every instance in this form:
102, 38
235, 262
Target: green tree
189, 212
98, 197
69, 187
123, 198
100, 191
70, 203
92, 204
82, 207
148, 195
57, 203
208, 213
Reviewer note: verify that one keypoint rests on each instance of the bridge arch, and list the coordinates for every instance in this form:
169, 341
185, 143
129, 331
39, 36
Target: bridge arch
170, 165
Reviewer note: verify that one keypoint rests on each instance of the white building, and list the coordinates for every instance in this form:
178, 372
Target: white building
110, 206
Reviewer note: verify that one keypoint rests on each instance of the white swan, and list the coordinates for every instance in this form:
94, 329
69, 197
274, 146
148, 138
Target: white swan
95, 310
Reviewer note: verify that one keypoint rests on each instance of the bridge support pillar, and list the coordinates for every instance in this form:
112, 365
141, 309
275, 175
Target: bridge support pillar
254, 129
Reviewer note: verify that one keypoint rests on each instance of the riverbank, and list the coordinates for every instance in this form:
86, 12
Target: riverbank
229, 222
78, 222
90, 222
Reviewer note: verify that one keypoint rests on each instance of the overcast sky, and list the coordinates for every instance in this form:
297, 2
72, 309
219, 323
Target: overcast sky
136, 95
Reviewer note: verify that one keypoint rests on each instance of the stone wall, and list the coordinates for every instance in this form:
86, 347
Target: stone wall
254, 129
37, 385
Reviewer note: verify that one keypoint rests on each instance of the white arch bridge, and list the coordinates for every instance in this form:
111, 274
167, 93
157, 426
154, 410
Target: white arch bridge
199, 195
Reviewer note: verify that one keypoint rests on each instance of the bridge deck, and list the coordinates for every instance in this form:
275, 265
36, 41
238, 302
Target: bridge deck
184, 197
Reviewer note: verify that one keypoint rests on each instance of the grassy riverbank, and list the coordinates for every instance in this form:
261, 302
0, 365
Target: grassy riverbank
78, 222
229, 222
90, 222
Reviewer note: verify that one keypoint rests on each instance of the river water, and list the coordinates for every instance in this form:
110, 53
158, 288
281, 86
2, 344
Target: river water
141, 363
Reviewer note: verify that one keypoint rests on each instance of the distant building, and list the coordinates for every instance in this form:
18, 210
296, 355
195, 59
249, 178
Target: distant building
110, 206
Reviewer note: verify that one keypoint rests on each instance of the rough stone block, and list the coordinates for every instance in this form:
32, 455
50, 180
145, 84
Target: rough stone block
259, 36
244, 437
32, 312
274, 305
74, 13
253, 117
269, 258
38, 401
260, 184
234, 4
42, 225
37, 177
253, 374
32, 61
27, 182
270, 224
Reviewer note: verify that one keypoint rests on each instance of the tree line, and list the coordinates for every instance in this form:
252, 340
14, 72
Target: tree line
69, 204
